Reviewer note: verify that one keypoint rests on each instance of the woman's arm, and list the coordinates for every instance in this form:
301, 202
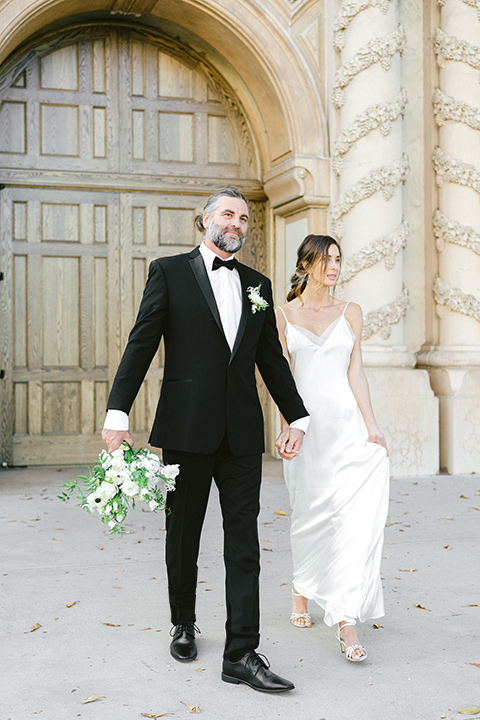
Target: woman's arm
285, 431
358, 380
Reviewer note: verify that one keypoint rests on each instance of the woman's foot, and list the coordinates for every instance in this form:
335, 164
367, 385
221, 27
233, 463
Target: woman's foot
300, 617
348, 639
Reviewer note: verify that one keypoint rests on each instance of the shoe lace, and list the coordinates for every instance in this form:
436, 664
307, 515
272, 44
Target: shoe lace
259, 660
189, 628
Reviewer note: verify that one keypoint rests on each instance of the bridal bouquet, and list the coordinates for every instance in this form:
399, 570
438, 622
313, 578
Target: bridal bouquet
120, 479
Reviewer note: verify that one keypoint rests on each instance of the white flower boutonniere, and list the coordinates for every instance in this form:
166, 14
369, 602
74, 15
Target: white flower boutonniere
258, 302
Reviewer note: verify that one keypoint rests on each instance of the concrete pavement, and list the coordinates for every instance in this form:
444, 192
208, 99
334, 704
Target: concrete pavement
113, 642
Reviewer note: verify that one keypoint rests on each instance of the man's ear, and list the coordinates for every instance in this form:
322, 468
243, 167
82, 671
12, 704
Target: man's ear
205, 220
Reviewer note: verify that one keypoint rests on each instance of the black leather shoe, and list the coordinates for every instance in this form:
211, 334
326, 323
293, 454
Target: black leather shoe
253, 670
183, 646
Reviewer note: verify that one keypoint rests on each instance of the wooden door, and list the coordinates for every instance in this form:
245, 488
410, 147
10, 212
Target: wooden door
110, 140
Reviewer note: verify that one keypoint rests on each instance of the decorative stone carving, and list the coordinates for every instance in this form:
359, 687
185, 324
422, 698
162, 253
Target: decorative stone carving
385, 248
349, 10
453, 232
380, 50
254, 252
384, 178
450, 169
381, 116
447, 47
472, 3
446, 108
381, 319
455, 300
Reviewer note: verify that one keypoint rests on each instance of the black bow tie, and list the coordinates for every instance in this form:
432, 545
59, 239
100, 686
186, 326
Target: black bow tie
229, 264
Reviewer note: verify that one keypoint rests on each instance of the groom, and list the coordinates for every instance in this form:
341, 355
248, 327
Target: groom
209, 419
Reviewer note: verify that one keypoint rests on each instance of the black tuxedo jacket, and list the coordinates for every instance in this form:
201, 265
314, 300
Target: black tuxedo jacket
207, 390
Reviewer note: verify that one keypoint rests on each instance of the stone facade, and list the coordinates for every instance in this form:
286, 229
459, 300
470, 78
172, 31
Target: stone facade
365, 116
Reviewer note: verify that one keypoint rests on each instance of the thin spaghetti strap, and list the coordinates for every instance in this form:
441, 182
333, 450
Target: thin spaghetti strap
281, 310
346, 305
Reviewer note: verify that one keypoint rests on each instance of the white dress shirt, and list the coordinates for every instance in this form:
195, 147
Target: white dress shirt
227, 290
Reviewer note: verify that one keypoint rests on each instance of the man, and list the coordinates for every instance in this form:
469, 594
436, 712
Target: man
209, 419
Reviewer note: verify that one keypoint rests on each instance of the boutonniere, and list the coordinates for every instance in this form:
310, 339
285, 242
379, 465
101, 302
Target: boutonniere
258, 302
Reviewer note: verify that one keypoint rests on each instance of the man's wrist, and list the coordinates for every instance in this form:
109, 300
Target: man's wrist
116, 420
301, 424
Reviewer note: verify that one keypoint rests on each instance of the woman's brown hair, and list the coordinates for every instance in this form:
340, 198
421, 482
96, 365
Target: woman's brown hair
312, 250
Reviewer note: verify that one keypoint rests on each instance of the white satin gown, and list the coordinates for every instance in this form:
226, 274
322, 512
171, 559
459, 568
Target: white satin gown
339, 484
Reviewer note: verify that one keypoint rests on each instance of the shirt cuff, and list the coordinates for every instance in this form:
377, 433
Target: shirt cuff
116, 420
300, 424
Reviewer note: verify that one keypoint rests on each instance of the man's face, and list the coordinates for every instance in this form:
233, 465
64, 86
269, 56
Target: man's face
227, 226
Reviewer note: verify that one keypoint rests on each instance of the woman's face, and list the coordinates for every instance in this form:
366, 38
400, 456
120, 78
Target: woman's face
328, 276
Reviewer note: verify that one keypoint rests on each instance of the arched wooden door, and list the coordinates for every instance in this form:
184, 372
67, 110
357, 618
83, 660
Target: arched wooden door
110, 140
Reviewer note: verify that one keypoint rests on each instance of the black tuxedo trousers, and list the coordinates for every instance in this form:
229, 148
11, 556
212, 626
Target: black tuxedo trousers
209, 420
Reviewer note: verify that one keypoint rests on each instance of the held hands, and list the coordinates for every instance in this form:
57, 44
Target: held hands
114, 438
289, 442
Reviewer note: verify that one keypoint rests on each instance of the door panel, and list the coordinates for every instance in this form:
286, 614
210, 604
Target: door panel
88, 120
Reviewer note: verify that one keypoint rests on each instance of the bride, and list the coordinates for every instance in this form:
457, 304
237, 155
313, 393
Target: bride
338, 485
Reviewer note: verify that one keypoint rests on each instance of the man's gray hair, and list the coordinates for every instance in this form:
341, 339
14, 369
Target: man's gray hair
212, 204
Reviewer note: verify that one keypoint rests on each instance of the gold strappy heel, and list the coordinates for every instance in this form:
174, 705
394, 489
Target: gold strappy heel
296, 618
349, 651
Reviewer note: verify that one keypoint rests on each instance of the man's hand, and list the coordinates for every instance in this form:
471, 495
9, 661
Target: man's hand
114, 438
289, 442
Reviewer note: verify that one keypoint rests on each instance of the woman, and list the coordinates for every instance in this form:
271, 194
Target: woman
338, 485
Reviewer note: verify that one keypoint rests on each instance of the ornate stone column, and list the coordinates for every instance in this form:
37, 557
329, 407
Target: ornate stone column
367, 216
454, 362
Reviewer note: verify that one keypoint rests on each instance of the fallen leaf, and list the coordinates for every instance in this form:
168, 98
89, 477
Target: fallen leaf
35, 627
376, 626
476, 664
464, 497
145, 628
71, 604
475, 605
110, 624
99, 547
411, 570
192, 708
475, 507
446, 547
448, 518
469, 711
152, 715
117, 587
267, 549
279, 512
392, 523
129, 532
420, 607
92, 698
200, 669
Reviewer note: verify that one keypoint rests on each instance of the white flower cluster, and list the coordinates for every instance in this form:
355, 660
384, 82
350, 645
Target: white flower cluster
126, 476
258, 302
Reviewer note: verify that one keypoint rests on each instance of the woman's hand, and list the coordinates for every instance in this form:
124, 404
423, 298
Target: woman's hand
289, 442
376, 436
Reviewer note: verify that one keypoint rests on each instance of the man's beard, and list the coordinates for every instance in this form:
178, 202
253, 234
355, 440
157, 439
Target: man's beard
218, 236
